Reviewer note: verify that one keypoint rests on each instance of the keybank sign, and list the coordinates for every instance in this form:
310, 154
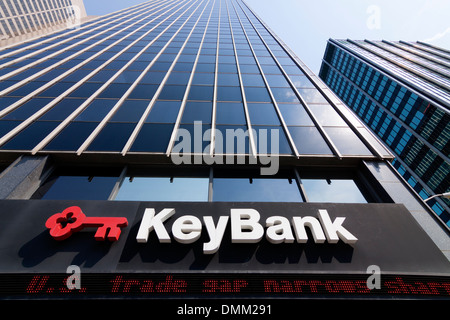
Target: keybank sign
245, 228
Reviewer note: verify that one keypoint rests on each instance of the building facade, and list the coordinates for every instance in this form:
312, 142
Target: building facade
210, 156
401, 90
20, 19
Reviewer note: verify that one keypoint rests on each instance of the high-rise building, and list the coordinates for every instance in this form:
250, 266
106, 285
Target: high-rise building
21, 19
216, 162
401, 90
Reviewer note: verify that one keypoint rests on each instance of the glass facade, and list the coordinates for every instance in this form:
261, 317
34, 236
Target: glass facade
204, 77
127, 82
399, 90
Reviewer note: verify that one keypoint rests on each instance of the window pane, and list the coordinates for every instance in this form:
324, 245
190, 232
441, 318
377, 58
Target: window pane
257, 189
80, 188
257, 94
201, 93
263, 114
347, 141
164, 189
164, 111
97, 110
62, 109
333, 190
153, 137
72, 136
31, 136
130, 111
113, 137
230, 113
295, 115
308, 140
197, 111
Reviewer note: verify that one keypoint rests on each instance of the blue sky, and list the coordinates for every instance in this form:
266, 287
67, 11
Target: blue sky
306, 25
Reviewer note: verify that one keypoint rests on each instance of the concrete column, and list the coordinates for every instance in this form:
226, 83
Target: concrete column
24, 176
400, 192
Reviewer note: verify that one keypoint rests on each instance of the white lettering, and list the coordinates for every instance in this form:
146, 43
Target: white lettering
334, 230
215, 234
279, 230
313, 224
245, 227
150, 222
187, 229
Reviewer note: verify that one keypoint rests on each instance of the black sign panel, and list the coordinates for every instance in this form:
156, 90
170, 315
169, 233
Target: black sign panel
388, 236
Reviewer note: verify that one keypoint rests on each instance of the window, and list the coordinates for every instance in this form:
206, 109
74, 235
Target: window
71, 138
153, 137
164, 189
143, 91
197, 111
77, 188
347, 141
31, 136
255, 189
229, 94
164, 112
257, 94
333, 190
326, 115
97, 110
263, 114
130, 111
201, 93
295, 115
308, 140
230, 113
112, 137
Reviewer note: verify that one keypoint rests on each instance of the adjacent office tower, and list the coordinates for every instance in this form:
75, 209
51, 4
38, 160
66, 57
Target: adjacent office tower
190, 112
401, 90
22, 18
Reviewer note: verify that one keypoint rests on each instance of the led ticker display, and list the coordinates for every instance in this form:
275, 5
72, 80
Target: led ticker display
220, 285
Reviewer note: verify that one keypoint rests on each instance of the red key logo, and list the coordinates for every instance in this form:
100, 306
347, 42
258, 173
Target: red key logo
63, 225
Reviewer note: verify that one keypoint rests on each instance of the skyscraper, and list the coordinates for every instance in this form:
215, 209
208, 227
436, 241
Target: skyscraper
401, 90
20, 19
192, 138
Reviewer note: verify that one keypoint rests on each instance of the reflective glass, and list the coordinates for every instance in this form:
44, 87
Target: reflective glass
80, 188
197, 111
172, 92
153, 137
326, 115
263, 114
112, 137
333, 190
347, 141
72, 137
130, 111
27, 109
255, 189
257, 94
143, 91
229, 94
164, 189
164, 111
295, 115
201, 93
312, 96
97, 110
30, 136
230, 113
62, 110
308, 140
